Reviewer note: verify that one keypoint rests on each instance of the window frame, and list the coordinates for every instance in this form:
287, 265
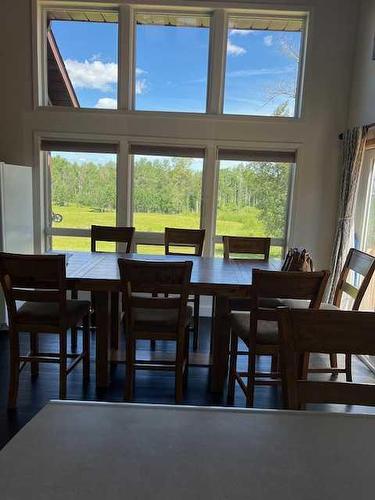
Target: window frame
126, 80
125, 188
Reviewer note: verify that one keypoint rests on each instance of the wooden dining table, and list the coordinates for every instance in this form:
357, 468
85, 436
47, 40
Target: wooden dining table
102, 451
222, 278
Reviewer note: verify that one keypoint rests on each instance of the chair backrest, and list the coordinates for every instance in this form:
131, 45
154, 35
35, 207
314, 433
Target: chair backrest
291, 285
247, 246
298, 259
157, 286
33, 278
329, 332
175, 237
360, 263
113, 234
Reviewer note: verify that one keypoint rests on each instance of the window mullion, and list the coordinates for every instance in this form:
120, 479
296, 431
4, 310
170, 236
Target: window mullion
209, 198
126, 71
216, 72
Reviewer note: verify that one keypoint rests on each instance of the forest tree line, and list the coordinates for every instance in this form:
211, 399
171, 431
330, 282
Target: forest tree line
173, 186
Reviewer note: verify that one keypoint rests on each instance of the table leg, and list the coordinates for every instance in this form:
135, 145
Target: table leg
102, 304
115, 319
220, 344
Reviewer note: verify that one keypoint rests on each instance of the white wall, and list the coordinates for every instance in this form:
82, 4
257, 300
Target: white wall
362, 105
325, 112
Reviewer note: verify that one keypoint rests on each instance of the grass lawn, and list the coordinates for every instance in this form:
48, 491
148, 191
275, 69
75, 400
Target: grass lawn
241, 223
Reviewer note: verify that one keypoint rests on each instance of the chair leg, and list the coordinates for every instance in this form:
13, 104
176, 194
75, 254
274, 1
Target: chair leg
274, 366
305, 365
63, 360
232, 369
180, 358
130, 358
250, 378
186, 370
196, 322
152, 345
73, 338
212, 322
14, 369
86, 348
34, 350
348, 368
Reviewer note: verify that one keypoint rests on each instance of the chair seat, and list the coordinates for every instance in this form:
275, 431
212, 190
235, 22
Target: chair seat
293, 304
267, 332
159, 320
49, 314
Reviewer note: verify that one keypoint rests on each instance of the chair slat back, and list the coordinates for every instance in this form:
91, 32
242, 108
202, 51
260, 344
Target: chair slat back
287, 285
360, 263
33, 278
175, 237
155, 286
113, 234
329, 332
247, 246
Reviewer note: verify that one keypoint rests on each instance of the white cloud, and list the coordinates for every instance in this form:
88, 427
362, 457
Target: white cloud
140, 71
240, 32
268, 40
106, 103
235, 50
93, 74
261, 71
140, 86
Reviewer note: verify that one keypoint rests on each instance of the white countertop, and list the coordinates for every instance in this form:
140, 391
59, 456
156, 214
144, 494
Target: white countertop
73, 450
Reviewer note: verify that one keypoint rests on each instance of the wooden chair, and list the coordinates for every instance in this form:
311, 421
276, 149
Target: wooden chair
39, 281
187, 238
254, 248
258, 329
363, 265
151, 316
120, 235
346, 332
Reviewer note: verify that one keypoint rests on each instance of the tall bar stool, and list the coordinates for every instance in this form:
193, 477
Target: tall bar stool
193, 239
258, 328
120, 235
39, 281
155, 298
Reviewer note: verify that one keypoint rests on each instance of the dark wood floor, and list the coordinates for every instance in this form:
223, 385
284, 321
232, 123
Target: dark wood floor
151, 387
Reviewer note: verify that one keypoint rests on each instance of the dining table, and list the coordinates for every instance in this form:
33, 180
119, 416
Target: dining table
110, 451
98, 273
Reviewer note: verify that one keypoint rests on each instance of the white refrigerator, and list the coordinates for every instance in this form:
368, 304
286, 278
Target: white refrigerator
16, 215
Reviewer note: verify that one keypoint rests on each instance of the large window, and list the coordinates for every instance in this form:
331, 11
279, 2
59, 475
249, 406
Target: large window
82, 192
167, 189
254, 196
82, 58
172, 62
263, 66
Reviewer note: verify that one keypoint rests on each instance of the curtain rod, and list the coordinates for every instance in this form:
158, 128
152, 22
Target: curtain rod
371, 125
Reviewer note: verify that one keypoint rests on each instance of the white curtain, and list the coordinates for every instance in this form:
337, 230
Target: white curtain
353, 149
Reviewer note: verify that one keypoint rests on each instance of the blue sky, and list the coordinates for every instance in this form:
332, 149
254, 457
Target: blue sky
172, 65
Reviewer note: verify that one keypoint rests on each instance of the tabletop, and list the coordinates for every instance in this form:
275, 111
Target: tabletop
210, 272
74, 450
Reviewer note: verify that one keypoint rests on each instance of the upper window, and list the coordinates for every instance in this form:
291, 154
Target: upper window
171, 62
82, 58
263, 66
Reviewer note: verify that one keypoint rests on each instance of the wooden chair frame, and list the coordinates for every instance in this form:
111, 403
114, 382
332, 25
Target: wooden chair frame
39, 279
247, 245
360, 263
268, 284
166, 284
346, 332
175, 237
113, 234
